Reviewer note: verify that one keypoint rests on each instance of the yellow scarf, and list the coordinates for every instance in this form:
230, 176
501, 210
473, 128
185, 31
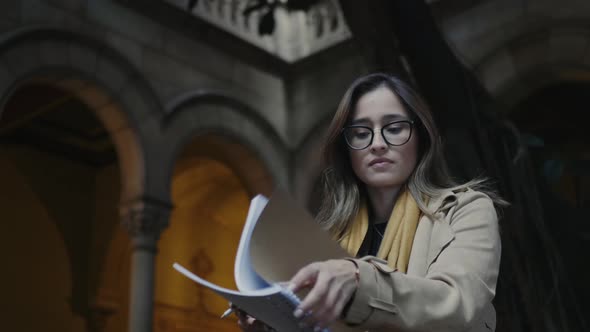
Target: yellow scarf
399, 233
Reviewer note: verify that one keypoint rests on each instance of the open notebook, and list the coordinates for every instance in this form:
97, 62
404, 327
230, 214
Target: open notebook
279, 238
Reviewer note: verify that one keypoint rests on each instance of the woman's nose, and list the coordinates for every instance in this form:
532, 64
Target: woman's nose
378, 143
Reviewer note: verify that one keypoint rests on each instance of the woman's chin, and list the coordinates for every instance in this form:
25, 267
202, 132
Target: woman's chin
379, 182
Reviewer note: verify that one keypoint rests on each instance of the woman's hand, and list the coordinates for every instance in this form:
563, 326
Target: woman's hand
250, 324
332, 284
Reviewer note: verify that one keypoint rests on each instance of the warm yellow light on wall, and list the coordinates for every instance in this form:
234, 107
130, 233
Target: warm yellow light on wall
210, 207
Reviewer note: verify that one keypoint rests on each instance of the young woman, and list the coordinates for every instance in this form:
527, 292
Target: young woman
428, 249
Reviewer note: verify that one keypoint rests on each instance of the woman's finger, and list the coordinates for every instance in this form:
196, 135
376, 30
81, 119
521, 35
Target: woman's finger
305, 277
333, 284
316, 297
335, 304
326, 313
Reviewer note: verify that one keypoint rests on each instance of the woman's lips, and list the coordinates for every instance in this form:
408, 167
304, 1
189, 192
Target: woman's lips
380, 162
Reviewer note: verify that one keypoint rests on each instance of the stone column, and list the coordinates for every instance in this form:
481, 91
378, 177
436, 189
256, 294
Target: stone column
145, 219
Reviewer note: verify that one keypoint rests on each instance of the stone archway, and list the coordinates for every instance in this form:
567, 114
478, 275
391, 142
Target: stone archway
208, 112
97, 75
246, 165
534, 60
219, 155
118, 96
214, 179
66, 162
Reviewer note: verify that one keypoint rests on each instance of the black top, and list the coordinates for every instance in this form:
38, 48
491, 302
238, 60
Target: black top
372, 240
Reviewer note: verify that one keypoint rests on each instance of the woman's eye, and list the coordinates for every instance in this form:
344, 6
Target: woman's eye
394, 130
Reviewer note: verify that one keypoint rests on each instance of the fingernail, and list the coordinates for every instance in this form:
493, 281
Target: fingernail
298, 313
291, 287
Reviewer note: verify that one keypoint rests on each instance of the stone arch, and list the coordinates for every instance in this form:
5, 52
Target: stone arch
212, 113
96, 74
245, 164
216, 150
101, 78
536, 59
537, 78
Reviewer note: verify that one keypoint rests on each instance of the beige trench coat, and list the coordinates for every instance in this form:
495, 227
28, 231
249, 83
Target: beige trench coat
451, 278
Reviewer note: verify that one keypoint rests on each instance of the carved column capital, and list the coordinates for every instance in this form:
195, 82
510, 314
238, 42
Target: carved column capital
145, 218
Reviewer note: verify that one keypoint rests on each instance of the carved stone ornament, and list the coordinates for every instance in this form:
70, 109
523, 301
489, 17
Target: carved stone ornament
145, 217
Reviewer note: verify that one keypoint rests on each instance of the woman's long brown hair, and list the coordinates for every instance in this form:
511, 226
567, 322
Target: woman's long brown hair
343, 191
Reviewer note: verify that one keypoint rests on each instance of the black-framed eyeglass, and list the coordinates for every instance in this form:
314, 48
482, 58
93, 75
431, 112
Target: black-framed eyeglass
396, 133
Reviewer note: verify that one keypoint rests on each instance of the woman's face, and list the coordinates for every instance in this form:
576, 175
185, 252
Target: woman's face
380, 165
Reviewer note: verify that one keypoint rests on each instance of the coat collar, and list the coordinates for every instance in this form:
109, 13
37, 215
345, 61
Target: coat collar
445, 201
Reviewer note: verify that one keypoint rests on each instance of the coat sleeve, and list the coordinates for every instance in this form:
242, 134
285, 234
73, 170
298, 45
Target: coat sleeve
457, 288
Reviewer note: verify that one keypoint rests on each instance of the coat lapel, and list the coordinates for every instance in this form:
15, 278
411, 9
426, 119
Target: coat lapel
433, 235
442, 233
442, 236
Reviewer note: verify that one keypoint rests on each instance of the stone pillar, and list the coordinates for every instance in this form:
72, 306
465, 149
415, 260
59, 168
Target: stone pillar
145, 219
